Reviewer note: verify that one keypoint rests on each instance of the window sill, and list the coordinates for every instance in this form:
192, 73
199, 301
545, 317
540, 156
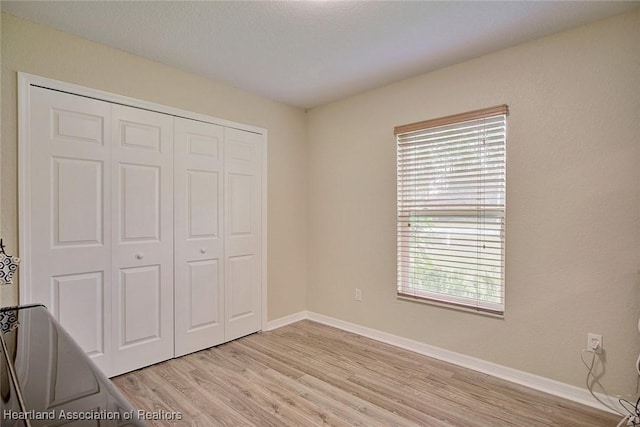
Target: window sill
452, 306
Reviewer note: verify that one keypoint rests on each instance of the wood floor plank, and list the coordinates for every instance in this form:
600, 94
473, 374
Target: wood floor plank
196, 402
138, 385
283, 401
373, 411
340, 379
309, 374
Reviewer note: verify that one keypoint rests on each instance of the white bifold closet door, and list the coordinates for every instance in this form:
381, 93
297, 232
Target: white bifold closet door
70, 215
142, 237
243, 232
218, 263
145, 229
101, 210
199, 241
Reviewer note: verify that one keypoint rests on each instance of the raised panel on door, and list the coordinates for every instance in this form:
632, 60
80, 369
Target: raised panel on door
139, 216
140, 318
69, 215
77, 202
142, 236
78, 304
243, 232
199, 265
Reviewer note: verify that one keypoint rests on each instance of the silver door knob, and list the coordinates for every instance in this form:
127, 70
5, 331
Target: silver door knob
203, 250
139, 255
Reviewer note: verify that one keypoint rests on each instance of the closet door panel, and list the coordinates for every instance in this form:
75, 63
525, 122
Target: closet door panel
69, 216
77, 201
199, 266
203, 291
203, 204
140, 315
139, 216
142, 235
78, 303
243, 234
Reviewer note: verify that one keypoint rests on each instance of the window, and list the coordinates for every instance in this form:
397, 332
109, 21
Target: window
451, 209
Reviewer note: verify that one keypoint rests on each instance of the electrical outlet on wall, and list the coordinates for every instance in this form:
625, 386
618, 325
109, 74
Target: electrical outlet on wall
358, 294
594, 342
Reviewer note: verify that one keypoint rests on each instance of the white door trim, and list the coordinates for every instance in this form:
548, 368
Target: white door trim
25, 82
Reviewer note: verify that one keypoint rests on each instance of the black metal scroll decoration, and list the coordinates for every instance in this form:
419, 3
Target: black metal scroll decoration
8, 266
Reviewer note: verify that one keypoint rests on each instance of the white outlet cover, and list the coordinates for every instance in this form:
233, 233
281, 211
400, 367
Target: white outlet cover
590, 338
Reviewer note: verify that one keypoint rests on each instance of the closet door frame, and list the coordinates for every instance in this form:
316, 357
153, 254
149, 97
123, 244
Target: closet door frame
25, 82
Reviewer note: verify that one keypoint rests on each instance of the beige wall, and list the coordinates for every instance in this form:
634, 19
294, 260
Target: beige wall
573, 227
573, 203
40, 50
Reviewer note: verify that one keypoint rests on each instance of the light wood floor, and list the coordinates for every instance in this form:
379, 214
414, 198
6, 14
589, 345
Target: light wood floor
309, 374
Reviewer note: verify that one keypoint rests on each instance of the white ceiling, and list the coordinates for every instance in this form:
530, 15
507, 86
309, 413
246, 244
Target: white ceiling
307, 53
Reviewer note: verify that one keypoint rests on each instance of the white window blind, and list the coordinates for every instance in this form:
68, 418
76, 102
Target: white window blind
451, 209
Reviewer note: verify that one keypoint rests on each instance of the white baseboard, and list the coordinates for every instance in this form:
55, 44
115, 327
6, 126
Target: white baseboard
536, 382
287, 320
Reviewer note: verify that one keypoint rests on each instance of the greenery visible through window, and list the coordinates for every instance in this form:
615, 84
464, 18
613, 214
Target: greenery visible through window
451, 182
